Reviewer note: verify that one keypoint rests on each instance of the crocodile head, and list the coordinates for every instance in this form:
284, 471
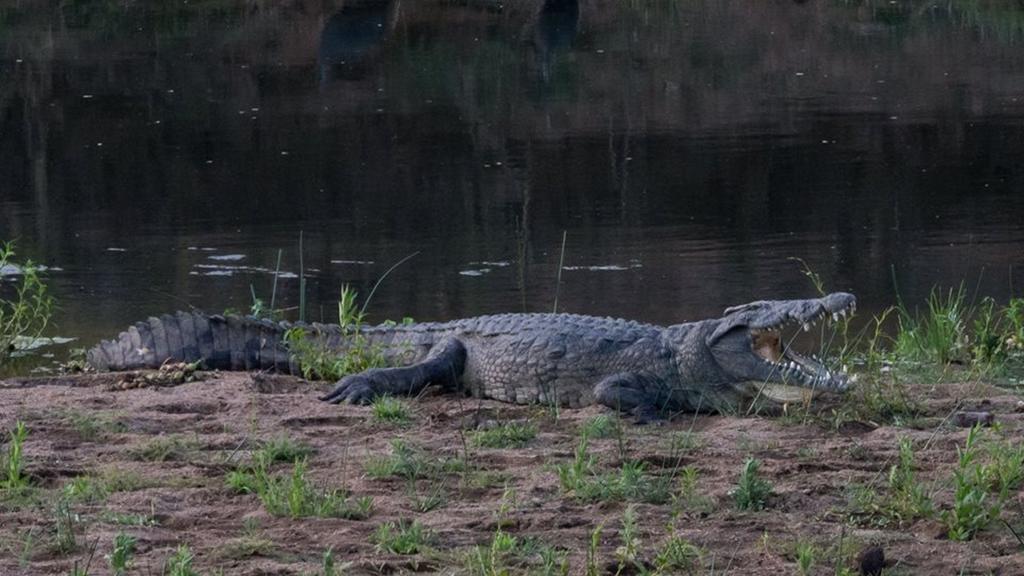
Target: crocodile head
752, 343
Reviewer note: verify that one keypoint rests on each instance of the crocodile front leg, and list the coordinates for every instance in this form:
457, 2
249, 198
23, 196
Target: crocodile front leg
444, 365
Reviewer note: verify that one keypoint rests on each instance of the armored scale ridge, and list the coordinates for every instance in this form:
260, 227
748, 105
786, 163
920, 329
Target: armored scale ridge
565, 359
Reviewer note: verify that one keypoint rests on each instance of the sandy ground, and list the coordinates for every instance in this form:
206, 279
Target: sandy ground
80, 425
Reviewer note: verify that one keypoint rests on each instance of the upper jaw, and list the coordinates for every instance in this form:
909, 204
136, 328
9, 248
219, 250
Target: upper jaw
782, 363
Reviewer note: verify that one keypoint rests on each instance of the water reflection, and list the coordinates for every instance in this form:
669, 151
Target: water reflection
688, 150
351, 39
557, 26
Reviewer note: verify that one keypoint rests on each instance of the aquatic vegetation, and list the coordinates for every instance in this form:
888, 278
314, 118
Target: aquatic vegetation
26, 307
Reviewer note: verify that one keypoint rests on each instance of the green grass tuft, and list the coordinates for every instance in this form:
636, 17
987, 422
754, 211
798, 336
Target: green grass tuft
506, 435
390, 410
402, 537
751, 492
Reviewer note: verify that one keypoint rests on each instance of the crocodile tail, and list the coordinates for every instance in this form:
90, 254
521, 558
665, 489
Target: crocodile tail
217, 342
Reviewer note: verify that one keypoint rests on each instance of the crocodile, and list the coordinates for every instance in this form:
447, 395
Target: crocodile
564, 359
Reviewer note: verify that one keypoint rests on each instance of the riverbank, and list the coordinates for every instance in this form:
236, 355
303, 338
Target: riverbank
169, 465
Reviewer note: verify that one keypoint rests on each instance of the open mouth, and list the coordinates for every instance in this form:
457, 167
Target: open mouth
773, 345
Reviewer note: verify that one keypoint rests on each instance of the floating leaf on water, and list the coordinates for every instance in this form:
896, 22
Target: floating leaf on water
227, 257
24, 344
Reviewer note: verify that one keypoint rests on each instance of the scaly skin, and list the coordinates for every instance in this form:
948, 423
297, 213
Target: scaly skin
563, 359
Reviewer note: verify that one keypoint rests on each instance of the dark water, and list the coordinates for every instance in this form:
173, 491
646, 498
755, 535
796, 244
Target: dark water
160, 154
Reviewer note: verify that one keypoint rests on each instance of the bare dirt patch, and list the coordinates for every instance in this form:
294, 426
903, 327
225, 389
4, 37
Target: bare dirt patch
161, 456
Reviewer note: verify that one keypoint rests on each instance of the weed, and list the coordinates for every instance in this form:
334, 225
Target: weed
989, 343
282, 449
250, 543
973, 509
410, 463
123, 519
14, 477
907, 497
687, 498
878, 399
27, 312
677, 555
318, 361
65, 527
84, 489
167, 448
121, 556
629, 551
593, 567
506, 435
630, 482
939, 335
751, 492
180, 563
402, 537
487, 560
92, 426
601, 426
390, 410
684, 443
806, 557
292, 495
905, 501
1005, 470
433, 500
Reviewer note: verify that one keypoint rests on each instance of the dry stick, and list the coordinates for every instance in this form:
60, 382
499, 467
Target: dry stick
302, 283
273, 289
381, 279
558, 279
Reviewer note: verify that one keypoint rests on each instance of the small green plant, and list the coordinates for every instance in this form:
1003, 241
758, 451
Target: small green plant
806, 557
907, 497
180, 563
677, 555
628, 553
410, 463
973, 506
390, 410
294, 496
601, 426
751, 492
506, 435
84, 489
92, 426
940, 334
317, 361
26, 311
593, 567
402, 537
65, 527
121, 556
630, 482
989, 340
167, 448
507, 554
687, 498
282, 449
14, 476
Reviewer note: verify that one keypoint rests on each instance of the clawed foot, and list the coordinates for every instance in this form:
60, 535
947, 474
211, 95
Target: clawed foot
359, 388
648, 415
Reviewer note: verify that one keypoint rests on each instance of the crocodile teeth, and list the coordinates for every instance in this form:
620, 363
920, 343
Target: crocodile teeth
835, 316
807, 326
